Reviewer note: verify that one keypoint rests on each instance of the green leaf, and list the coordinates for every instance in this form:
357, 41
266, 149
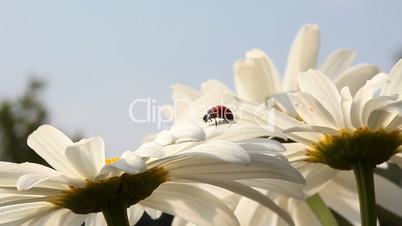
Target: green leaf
321, 211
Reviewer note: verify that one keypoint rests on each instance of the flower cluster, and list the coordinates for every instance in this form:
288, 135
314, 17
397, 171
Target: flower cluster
290, 152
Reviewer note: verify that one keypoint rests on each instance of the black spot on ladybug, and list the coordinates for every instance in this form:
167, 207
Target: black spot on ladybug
220, 112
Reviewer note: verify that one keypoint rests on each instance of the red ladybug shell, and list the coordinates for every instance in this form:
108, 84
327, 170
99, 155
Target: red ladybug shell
218, 111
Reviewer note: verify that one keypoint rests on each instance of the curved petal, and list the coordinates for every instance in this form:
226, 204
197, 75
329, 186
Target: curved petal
222, 150
95, 219
364, 94
252, 194
395, 84
303, 55
135, 213
128, 163
261, 166
183, 96
397, 158
213, 86
192, 204
24, 211
256, 78
150, 150
49, 143
187, 132
388, 195
337, 62
60, 217
87, 156
153, 213
302, 214
322, 89
11, 173
356, 77
311, 110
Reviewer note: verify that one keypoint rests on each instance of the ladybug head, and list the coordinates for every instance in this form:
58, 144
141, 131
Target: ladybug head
205, 118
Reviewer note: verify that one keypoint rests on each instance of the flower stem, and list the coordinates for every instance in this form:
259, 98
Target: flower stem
365, 184
321, 211
115, 214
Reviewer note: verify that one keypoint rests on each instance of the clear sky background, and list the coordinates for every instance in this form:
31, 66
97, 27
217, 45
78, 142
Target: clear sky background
98, 56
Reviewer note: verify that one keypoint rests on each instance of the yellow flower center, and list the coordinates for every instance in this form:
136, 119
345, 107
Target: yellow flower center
111, 160
96, 195
343, 150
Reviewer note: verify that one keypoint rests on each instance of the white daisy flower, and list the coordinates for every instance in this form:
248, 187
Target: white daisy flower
341, 130
83, 184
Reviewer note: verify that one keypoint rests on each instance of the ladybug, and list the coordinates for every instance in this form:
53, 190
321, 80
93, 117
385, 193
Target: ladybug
218, 111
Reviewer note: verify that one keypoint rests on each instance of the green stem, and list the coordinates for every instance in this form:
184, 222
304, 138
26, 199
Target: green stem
321, 211
365, 184
115, 214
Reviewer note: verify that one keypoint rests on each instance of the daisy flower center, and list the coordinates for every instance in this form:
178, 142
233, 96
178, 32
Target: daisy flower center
111, 160
126, 189
343, 150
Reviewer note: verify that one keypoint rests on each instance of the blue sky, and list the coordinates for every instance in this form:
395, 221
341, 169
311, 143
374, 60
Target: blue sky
98, 56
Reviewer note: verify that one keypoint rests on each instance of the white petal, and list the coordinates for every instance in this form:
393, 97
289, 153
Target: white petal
153, 213
317, 176
346, 104
135, 213
281, 187
313, 129
129, 163
303, 54
372, 105
183, 96
252, 194
87, 156
302, 214
284, 104
363, 95
388, 195
164, 138
187, 132
95, 219
343, 201
192, 204
397, 158
311, 110
13, 174
267, 146
23, 211
295, 152
256, 78
222, 150
212, 86
356, 77
395, 84
150, 150
28, 181
261, 166
50, 144
321, 88
337, 62
60, 217
177, 221
394, 123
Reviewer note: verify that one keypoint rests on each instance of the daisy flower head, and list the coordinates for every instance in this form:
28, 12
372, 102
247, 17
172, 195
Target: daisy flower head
348, 131
335, 130
342, 128
83, 186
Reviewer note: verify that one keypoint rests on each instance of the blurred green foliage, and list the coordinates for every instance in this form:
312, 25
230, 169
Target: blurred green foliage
19, 117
